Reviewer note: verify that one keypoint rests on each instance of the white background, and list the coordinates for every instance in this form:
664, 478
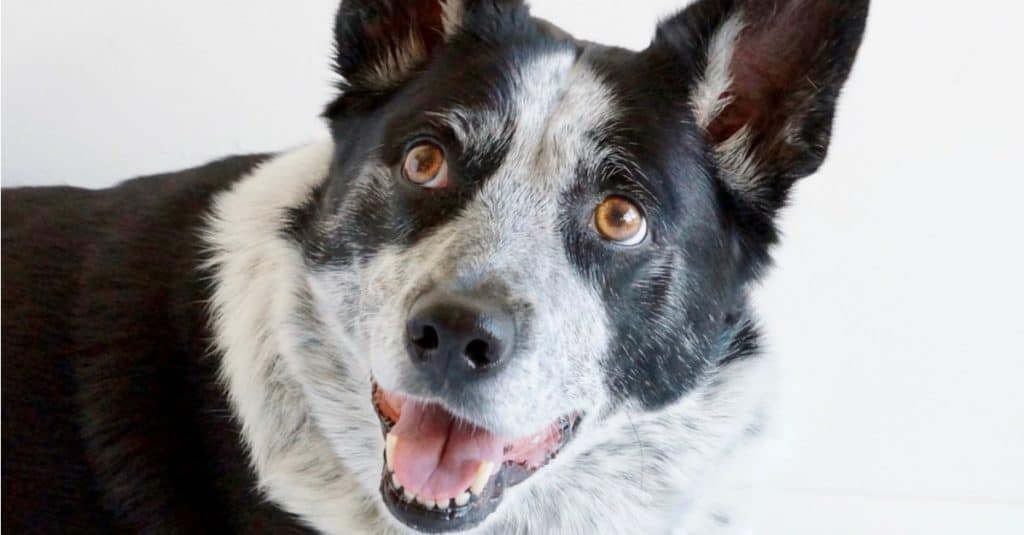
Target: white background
896, 299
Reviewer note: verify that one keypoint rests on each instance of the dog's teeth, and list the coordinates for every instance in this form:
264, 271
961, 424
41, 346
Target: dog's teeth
395, 483
390, 443
461, 499
408, 496
483, 473
429, 504
446, 503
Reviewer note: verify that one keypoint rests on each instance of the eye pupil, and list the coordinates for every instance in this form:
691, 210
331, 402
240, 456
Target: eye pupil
618, 219
426, 161
622, 215
424, 164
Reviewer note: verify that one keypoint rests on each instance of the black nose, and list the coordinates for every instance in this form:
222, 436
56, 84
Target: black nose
455, 338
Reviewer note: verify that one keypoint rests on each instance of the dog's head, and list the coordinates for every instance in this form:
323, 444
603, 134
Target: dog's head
523, 233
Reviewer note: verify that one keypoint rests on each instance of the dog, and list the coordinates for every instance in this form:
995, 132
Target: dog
508, 295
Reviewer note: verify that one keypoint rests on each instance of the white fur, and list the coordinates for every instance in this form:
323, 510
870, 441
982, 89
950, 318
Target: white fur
397, 61
255, 273
739, 166
452, 14
710, 96
736, 161
673, 471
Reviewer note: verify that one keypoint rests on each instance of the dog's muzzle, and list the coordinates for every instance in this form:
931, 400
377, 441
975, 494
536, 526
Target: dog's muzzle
442, 472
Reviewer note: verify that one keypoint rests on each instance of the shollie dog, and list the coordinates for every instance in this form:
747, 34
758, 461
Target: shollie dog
508, 295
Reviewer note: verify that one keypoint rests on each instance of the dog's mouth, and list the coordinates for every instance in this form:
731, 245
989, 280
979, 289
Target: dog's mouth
442, 473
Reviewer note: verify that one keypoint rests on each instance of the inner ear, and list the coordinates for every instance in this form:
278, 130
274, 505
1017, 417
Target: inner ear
764, 79
380, 43
770, 50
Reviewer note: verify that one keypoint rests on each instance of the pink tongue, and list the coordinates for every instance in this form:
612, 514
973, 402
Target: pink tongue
437, 456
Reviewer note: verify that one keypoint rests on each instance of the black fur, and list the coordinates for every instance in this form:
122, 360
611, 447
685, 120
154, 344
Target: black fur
113, 418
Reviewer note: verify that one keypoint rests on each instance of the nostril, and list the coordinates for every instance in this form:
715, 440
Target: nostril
456, 338
476, 352
427, 338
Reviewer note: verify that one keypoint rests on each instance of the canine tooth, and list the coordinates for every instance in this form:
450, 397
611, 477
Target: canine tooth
408, 496
395, 483
483, 473
461, 499
391, 442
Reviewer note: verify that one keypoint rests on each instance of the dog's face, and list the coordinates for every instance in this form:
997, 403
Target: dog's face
524, 234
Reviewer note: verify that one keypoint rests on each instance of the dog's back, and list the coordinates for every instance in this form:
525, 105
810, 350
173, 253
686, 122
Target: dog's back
44, 242
111, 412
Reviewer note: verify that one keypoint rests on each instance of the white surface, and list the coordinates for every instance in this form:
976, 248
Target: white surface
895, 302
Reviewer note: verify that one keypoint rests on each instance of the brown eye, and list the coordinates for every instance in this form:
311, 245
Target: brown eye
426, 166
617, 219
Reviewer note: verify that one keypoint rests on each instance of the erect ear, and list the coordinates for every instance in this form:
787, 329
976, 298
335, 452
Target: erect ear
381, 42
766, 77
